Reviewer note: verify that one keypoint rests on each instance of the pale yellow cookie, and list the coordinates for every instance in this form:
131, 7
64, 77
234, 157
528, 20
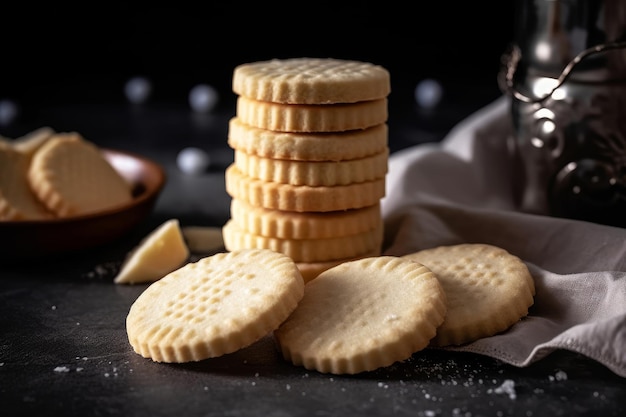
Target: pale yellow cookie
72, 177
302, 197
30, 142
313, 173
312, 118
363, 315
214, 306
303, 225
305, 250
311, 81
488, 290
303, 146
17, 201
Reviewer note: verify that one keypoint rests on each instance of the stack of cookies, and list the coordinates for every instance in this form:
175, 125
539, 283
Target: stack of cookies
311, 151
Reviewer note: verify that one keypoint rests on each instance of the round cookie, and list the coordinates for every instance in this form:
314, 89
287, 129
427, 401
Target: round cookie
306, 250
302, 198
72, 177
313, 173
214, 306
307, 146
303, 225
363, 315
311, 81
340, 117
17, 201
488, 290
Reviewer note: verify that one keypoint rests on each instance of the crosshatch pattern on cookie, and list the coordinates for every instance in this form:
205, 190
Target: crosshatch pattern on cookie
488, 288
363, 315
309, 80
71, 176
214, 306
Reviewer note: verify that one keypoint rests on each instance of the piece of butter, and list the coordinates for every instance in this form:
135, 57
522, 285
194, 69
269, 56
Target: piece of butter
161, 252
203, 239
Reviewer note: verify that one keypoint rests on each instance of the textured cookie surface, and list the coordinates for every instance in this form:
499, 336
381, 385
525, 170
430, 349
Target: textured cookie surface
312, 118
302, 197
305, 250
488, 290
17, 201
214, 306
303, 225
71, 177
362, 315
322, 146
313, 173
311, 81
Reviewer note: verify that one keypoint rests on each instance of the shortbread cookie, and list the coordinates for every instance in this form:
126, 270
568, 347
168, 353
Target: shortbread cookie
305, 250
363, 315
311, 118
72, 177
322, 146
30, 142
310, 270
303, 225
302, 197
158, 254
214, 306
311, 81
488, 290
313, 173
17, 201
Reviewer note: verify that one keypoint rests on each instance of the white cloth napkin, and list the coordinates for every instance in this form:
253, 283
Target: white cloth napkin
459, 191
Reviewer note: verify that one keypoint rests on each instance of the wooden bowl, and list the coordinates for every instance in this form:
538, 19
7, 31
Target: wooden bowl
34, 239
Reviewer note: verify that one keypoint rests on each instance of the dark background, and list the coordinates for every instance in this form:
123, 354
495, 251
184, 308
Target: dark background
84, 52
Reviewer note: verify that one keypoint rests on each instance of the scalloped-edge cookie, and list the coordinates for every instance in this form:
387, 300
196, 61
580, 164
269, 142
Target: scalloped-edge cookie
17, 201
313, 173
309, 80
306, 250
312, 118
307, 146
30, 142
363, 315
488, 290
302, 197
72, 177
303, 225
217, 305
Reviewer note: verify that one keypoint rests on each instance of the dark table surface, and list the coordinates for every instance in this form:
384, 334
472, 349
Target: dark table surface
63, 344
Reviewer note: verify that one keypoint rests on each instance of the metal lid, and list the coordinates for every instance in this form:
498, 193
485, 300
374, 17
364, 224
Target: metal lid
551, 33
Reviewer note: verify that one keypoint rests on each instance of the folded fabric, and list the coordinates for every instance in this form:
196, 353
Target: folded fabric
460, 191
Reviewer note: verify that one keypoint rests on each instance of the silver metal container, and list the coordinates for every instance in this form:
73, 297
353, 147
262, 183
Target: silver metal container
566, 76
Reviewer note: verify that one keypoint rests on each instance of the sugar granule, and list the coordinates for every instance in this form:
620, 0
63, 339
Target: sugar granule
507, 387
